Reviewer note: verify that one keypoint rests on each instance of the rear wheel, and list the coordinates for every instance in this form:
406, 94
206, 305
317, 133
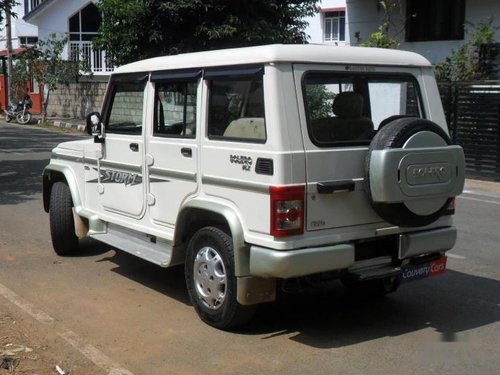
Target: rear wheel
211, 281
8, 118
62, 222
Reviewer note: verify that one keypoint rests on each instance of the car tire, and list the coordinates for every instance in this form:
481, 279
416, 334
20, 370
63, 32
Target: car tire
211, 280
62, 222
394, 135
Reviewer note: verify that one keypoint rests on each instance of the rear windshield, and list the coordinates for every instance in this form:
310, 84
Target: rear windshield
348, 109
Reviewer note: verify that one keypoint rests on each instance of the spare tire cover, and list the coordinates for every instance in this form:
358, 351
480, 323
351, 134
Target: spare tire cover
411, 133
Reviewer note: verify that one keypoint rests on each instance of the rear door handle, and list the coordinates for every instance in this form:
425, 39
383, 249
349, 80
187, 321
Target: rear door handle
134, 147
187, 152
335, 186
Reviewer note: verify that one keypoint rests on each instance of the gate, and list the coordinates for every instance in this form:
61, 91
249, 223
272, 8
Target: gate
472, 111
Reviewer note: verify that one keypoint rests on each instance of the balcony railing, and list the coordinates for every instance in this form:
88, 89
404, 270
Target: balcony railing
96, 58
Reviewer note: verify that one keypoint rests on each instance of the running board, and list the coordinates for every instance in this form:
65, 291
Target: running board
152, 249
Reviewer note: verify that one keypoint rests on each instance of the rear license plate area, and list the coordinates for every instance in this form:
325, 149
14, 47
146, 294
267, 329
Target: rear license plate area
412, 272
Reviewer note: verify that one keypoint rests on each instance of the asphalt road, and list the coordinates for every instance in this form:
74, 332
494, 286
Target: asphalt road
127, 316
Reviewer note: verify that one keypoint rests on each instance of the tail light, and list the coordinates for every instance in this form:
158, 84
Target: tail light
287, 210
450, 207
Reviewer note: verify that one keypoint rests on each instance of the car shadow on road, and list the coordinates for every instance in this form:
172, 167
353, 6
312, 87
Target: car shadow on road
169, 282
332, 317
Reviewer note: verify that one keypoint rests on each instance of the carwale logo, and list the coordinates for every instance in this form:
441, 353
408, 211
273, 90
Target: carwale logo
421, 271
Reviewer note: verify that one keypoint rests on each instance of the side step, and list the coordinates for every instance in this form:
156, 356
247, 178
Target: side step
157, 251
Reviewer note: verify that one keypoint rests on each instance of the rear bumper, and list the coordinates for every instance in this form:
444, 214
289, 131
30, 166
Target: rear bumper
269, 263
293, 263
429, 241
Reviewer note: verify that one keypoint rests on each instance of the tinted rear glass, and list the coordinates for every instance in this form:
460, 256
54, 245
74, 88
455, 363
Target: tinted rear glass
348, 109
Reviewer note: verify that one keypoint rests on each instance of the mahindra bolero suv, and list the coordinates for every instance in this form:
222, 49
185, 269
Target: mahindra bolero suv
261, 165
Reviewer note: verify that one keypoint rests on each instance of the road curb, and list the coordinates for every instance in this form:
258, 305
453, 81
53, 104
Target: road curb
67, 125
480, 187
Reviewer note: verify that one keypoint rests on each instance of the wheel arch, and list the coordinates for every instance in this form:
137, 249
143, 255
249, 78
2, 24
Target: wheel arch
199, 213
58, 173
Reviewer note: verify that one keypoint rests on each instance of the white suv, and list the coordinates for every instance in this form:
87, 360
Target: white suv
258, 165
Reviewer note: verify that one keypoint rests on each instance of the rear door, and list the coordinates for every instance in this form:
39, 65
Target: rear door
340, 113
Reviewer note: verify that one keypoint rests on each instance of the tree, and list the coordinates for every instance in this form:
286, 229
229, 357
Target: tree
6, 6
45, 64
381, 37
476, 58
137, 29
319, 101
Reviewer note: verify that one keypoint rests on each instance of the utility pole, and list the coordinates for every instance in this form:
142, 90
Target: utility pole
8, 27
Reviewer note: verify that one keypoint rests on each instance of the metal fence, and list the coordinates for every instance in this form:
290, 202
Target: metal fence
472, 111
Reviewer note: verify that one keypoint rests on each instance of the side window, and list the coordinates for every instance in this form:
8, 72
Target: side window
126, 108
175, 109
349, 109
236, 109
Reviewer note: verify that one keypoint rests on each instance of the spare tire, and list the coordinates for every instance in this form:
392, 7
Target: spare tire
412, 171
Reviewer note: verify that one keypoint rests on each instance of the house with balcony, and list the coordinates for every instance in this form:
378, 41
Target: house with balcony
77, 19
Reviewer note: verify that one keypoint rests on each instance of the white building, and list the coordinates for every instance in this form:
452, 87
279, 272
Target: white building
77, 19
23, 33
329, 25
432, 28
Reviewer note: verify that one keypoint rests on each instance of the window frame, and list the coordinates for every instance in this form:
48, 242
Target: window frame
335, 17
138, 78
82, 35
363, 143
175, 77
234, 73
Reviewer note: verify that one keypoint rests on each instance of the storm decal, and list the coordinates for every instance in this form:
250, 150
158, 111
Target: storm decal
109, 176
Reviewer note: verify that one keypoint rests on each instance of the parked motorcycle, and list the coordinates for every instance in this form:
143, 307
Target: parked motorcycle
19, 111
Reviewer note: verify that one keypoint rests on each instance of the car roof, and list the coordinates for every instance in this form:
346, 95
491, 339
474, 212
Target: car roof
276, 53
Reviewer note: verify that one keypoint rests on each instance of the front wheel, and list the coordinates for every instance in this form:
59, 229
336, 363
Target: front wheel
23, 118
62, 222
210, 279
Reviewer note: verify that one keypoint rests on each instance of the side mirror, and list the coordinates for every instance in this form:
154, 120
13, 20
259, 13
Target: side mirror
94, 127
